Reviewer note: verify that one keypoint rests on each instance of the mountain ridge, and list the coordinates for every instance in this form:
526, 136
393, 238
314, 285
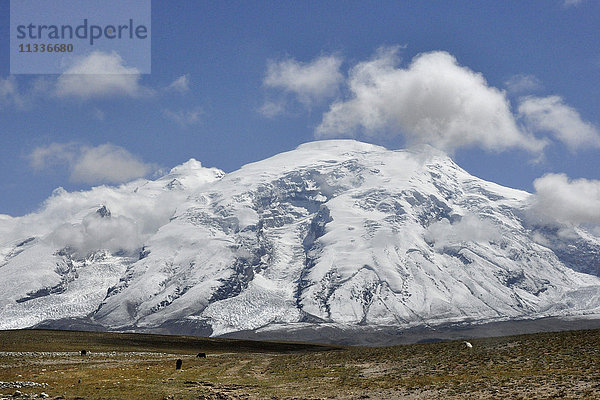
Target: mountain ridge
333, 232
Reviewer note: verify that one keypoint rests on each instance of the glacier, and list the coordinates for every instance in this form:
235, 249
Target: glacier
333, 233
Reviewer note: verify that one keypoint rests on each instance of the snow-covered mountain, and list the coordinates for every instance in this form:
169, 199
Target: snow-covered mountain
335, 232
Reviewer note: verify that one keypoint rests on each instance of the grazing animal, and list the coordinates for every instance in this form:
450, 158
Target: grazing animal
178, 363
201, 355
468, 345
83, 352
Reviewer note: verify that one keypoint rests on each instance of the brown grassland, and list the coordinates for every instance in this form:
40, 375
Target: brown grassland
139, 366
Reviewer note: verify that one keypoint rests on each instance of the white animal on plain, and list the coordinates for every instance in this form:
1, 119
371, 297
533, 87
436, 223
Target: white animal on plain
468, 345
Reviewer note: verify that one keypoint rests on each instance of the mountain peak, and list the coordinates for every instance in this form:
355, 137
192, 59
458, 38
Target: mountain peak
336, 231
103, 212
191, 174
189, 166
340, 145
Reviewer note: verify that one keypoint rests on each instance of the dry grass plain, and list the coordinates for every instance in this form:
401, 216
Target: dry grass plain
133, 366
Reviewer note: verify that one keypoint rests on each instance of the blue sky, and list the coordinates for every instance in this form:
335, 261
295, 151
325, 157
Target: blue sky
236, 82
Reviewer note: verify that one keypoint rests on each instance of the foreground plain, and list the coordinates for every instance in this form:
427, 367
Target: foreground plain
131, 366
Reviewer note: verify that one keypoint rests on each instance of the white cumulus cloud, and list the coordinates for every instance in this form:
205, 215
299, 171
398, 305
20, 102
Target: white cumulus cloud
309, 82
559, 199
551, 114
434, 100
108, 163
105, 163
137, 210
100, 74
94, 232
133, 218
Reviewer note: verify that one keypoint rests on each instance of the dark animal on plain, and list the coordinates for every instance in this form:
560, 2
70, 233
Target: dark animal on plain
178, 364
201, 355
83, 352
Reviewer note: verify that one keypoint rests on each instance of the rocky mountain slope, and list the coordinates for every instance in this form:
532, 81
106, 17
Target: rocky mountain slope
339, 232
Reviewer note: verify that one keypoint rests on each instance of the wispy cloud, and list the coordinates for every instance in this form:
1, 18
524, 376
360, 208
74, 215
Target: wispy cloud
184, 117
271, 109
99, 114
434, 100
571, 3
469, 228
105, 163
551, 114
523, 83
181, 84
308, 83
100, 74
53, 154
9, 93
